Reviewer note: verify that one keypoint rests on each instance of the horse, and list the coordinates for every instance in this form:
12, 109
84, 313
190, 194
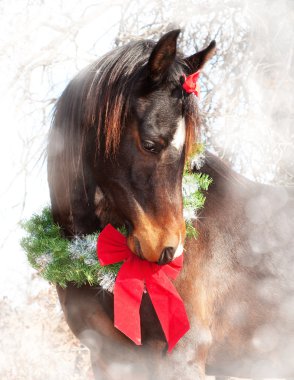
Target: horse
122, 132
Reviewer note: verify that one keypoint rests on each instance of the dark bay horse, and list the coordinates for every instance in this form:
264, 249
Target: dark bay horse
122, 131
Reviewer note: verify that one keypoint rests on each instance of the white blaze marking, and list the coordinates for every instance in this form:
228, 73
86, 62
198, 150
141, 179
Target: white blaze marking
180, 135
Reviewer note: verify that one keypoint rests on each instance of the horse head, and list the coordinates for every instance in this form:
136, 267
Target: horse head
144, 126
145, 180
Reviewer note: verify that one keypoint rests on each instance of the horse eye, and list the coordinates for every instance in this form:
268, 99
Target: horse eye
151, 147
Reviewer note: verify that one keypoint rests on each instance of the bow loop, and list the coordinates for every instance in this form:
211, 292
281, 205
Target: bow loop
112, 246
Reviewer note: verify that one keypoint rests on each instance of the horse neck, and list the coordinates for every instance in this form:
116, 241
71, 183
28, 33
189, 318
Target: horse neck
78, 204
228, 192
247, 223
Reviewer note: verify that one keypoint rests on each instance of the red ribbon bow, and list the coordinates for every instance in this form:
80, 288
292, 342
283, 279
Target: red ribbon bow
133, 278
190, 84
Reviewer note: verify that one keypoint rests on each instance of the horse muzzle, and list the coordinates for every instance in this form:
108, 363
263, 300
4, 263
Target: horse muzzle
160, 244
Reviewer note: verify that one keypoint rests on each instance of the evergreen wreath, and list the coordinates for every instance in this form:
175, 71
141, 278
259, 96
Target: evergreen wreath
60, 261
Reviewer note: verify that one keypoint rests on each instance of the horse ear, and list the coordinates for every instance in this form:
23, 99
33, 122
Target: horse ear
163, 54
198, 60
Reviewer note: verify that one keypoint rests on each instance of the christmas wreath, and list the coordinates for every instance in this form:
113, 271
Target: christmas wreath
60, 261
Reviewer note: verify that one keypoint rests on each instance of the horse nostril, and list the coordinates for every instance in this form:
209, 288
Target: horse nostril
166, 255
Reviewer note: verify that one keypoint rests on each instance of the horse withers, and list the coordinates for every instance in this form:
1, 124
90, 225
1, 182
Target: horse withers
122, 131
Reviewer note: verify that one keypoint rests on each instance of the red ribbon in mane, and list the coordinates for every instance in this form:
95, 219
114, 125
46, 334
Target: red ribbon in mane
133, 278
191, 85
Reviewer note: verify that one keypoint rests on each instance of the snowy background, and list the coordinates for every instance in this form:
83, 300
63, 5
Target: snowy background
246, 101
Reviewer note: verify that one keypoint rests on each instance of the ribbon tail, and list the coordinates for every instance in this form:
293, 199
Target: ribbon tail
128, 291
169, 308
